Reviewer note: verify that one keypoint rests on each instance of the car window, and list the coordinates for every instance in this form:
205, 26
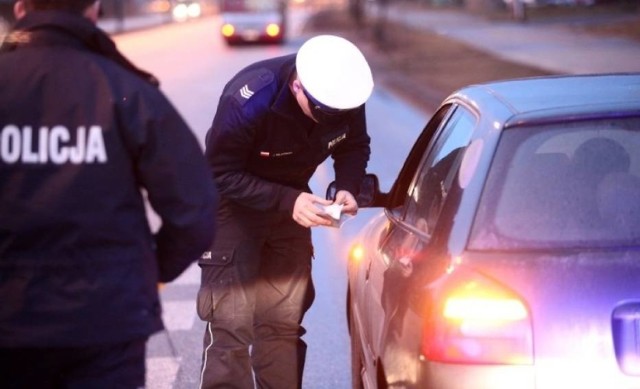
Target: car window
401, 186
251, 5
429, 190
570, 185
437, 172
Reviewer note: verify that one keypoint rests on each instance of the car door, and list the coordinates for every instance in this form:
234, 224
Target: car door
413, 230
369, 279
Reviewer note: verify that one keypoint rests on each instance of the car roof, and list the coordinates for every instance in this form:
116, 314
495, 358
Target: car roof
554, 98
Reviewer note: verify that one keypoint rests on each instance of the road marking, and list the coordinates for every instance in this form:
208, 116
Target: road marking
191, 276
178, 315
161, 372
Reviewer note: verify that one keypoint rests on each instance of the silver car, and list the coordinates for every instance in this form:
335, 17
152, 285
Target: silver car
253, 21
507, 253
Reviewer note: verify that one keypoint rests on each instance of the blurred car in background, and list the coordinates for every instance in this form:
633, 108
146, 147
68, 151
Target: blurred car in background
542, 3
252, 21
508, 251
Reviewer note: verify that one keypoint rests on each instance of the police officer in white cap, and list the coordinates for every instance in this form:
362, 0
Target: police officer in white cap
276, 121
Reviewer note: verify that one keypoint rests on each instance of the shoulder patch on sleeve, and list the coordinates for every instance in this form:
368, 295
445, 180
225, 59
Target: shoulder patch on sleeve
253, 82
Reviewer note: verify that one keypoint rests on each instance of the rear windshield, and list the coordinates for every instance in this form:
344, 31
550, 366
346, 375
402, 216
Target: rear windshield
251, 5
570, 185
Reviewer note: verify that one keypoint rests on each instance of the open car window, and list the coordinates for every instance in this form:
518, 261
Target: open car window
433, 181
439, 163
400, 188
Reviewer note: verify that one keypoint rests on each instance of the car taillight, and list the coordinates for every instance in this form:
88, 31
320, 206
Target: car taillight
228, 30
475, 320
273, 30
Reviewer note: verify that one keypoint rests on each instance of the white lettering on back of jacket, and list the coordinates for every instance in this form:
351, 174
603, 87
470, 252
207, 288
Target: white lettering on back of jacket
52, 145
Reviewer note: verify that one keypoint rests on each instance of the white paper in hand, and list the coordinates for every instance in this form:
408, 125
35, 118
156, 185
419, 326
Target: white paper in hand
334, 213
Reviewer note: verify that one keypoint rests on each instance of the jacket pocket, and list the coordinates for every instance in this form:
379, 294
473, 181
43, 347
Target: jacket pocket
217, 280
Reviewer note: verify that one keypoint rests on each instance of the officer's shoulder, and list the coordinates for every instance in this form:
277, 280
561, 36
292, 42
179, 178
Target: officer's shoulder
249, 83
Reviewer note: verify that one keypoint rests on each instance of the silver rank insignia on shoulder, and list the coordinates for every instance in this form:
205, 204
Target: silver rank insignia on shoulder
252, 83
246, 92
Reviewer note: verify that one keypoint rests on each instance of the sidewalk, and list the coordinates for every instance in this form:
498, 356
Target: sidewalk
549, 46
131, 23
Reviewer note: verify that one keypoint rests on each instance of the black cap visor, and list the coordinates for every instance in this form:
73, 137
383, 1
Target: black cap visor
325, 114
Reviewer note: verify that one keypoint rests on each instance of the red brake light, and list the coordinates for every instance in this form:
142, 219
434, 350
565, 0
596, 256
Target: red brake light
476, 320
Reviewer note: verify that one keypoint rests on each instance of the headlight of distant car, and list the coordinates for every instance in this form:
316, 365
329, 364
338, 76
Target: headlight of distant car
273, 30
228, 30
184, 11
194, 10
180, 12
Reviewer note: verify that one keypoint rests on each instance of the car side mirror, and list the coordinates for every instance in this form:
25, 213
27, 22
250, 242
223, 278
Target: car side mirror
369, 196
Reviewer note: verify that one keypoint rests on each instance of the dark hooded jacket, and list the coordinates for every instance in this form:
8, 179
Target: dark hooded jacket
83, 136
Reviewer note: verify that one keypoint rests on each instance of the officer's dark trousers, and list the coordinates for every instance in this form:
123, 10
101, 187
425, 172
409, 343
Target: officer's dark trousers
256, 287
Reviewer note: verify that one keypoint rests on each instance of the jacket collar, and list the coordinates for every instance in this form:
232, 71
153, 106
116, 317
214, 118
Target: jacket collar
285, 103
63, 28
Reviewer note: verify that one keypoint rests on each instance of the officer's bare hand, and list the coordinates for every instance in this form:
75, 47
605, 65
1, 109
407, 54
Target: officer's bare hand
307, 211
348, 202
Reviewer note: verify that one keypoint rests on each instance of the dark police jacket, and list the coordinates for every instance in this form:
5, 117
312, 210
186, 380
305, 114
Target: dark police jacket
81, 132
263, 149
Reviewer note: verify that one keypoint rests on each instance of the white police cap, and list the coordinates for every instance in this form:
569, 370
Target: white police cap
334, 72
